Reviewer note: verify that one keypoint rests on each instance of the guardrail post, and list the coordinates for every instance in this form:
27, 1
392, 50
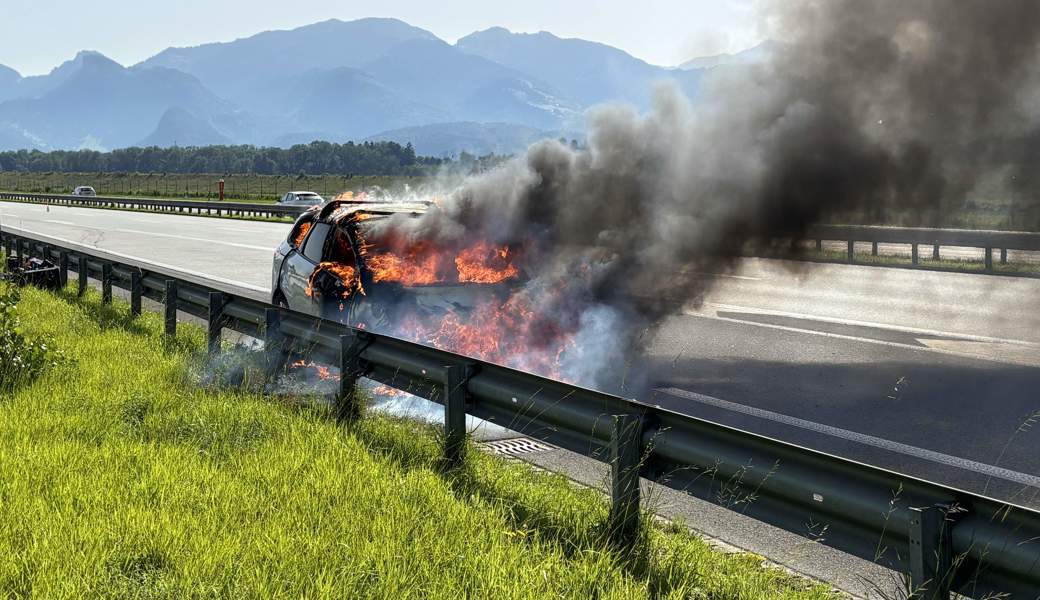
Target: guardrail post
1003, 256
931, 553
989, 258
935, 251
215, 321
851, 256
9, 247
873, 248
819, 245
135, 293
170, 306
81, 274
351, 368
625, 455
455, 414
276, 353
106, 283
913, 254
63, 268
23, 250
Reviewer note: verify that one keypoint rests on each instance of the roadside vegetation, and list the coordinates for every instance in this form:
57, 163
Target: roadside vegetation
124, 477
201, 186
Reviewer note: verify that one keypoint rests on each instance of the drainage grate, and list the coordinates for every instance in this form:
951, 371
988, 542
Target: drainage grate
516, 446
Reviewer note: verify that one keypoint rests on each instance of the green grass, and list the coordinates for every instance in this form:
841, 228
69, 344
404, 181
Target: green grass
123, 477
240, 188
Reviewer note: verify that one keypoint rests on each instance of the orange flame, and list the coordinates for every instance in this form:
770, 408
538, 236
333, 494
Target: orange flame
302, 233
321, 371
483, 263
346, 273
385, 390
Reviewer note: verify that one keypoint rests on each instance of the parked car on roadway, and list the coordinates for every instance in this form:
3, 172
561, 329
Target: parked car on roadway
84, 190
301, 199
329, 266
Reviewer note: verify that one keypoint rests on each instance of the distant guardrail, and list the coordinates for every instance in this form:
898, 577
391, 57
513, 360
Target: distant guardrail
988, 240
167, 206
943, 539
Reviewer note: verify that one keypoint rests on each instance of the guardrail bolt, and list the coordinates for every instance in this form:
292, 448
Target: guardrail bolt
106, 283
81, 275
625, 456
455, 414
170, 306
215, 321
136, 289
351, 368
931, 552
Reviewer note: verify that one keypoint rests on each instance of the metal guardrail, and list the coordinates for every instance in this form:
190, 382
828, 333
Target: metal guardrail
942, 538
169, 206
923, 236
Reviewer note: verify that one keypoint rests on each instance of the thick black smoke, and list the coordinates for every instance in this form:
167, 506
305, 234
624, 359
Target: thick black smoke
884, 110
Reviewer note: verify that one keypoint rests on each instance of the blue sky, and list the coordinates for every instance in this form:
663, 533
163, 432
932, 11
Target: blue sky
36, 35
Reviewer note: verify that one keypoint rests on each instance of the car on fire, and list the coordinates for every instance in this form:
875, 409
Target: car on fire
331, 265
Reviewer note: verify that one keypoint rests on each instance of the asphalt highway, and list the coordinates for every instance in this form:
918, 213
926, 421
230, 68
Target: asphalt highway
932, 374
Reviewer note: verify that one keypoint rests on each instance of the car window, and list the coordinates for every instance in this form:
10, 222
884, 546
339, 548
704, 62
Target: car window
315, 243
341, 250
300, 230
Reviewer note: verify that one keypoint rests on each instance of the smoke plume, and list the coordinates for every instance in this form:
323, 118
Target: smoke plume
885, 110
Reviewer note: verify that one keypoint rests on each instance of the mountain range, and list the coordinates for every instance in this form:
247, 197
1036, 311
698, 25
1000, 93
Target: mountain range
374, 79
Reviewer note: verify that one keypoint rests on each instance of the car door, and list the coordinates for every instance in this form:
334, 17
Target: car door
300, 265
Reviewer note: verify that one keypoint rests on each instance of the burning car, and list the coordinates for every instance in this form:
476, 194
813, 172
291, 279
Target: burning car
345, 261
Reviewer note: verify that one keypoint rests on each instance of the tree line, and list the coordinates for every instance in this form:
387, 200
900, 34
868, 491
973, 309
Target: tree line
316, 158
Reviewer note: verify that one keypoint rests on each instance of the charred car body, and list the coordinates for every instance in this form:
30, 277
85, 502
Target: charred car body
336, 263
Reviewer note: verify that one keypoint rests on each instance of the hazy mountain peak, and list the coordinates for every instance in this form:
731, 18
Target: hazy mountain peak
8, 76
755, 54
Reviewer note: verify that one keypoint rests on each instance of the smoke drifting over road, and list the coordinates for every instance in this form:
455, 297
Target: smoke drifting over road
886, 108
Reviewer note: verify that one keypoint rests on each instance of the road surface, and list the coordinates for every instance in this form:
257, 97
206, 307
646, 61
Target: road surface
932, 374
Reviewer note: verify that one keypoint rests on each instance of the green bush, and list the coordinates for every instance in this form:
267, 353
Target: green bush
22, 358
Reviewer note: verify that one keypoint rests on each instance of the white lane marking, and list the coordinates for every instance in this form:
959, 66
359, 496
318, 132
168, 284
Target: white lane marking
873, 325
726, 275
169, 235
1016, 359
868, 440
196, 239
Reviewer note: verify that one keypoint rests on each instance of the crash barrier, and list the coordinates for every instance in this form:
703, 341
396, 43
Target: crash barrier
941, 538
188, 207
923, 236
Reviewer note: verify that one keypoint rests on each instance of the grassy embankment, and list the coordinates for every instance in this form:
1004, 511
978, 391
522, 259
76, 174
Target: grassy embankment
122, 476
238, 188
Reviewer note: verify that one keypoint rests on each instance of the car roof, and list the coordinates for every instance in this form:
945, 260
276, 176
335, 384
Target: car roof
302, 192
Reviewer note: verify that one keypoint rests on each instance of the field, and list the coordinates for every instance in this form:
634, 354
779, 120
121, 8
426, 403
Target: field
125, 477
251, 188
